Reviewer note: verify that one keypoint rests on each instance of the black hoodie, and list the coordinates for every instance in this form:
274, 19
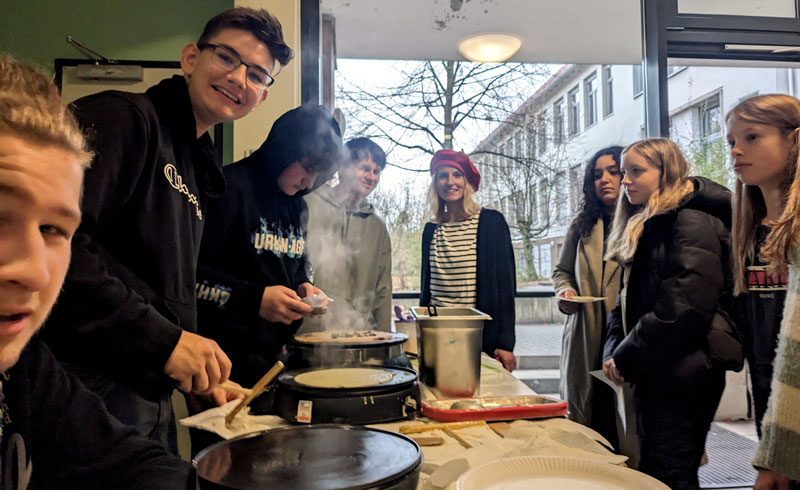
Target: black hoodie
129, 291
255, 237
681, 275
60, 432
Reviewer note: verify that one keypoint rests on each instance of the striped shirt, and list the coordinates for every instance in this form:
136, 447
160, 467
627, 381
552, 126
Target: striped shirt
453, 260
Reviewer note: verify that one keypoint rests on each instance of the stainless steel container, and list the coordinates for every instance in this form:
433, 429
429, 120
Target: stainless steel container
450, 349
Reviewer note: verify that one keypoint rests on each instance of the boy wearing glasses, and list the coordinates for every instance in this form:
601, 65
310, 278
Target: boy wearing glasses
125, 320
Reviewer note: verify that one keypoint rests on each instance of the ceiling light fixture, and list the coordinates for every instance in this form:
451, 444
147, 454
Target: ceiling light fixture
489, 48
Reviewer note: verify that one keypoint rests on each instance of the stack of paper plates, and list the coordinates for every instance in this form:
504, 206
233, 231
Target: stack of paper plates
529, 472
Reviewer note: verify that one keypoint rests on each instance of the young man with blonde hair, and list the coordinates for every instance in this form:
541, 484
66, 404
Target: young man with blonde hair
348, 244
54, 433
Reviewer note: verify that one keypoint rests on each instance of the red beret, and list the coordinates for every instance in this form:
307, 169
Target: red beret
461, 161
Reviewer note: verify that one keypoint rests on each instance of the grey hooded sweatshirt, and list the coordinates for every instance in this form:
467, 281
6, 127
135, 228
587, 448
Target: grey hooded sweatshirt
350, 253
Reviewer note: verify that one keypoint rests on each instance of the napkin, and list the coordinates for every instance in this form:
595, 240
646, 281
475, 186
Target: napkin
213, 420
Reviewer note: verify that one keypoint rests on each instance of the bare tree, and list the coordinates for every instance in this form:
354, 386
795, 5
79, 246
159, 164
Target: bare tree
403, 211
437, 104
451, 104
525, 166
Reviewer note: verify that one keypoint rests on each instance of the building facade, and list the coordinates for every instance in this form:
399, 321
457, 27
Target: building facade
533, 162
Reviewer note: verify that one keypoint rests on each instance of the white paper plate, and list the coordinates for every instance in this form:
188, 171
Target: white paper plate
530, 472
582, 299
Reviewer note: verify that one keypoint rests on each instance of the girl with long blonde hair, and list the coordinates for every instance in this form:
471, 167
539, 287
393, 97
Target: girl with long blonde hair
671, 234
467, 256
763, 136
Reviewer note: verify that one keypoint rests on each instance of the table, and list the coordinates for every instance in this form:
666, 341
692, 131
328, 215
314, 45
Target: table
556, 436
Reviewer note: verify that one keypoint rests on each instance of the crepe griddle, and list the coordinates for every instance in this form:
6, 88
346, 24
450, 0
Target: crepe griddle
396, 399
317, 457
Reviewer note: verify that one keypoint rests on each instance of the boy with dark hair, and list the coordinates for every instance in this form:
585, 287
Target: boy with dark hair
55, 433
253, 272
349, 246
127, 315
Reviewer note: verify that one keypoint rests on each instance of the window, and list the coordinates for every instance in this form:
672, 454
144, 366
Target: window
541, 132
544, 202
575, 185
531, 138
638, 80
608, 91
545, 260
709, 117
519, 146
574, 111
590, 99
558, 121
562, 200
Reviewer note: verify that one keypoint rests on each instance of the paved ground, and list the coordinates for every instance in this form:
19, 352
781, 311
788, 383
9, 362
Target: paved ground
545, 340
538, 340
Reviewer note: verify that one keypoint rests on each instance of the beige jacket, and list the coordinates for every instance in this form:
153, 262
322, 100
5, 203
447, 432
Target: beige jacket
580, 269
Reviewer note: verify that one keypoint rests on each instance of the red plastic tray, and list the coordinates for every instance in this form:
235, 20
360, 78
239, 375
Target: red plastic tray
497, 408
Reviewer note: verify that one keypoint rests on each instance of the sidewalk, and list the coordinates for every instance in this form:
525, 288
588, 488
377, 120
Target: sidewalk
539, 340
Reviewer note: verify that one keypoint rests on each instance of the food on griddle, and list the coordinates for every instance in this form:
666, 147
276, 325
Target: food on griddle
344, 378
353, 336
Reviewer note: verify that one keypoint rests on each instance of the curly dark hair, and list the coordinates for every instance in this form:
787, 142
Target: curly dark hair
592, 206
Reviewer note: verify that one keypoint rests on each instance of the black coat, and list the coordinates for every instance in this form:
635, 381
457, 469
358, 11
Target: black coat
495, 279
63, 434
680, 279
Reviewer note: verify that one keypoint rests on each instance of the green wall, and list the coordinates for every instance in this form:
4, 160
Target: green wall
34, 30
150, 30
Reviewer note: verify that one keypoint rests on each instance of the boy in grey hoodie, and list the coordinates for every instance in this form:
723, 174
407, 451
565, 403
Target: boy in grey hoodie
348, 245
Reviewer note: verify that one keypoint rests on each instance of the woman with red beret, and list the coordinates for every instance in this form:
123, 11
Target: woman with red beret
467, 258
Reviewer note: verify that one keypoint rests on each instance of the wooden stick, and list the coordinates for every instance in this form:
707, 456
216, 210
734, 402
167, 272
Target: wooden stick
257, 389
450, 432
227, 386
500, 428
413, 429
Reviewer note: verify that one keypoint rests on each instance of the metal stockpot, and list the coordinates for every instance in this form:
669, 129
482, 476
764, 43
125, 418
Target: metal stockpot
450, 349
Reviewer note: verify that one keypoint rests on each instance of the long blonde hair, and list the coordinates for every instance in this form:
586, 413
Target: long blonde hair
749, 209
674, 185
441, 213
31, 108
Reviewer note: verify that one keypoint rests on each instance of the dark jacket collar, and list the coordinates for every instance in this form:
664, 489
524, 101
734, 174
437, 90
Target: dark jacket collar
174, 107
711, 198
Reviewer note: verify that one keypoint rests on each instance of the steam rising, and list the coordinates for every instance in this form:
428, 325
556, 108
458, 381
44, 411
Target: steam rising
331, 260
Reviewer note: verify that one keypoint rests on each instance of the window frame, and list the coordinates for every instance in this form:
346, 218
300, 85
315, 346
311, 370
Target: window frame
608, 90
573, 117
590, 105
558, 121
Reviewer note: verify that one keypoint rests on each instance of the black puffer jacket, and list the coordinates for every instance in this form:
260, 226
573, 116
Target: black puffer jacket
680, 280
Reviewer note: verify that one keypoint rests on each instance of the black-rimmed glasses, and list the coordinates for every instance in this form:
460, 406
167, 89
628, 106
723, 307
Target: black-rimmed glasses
226, 58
